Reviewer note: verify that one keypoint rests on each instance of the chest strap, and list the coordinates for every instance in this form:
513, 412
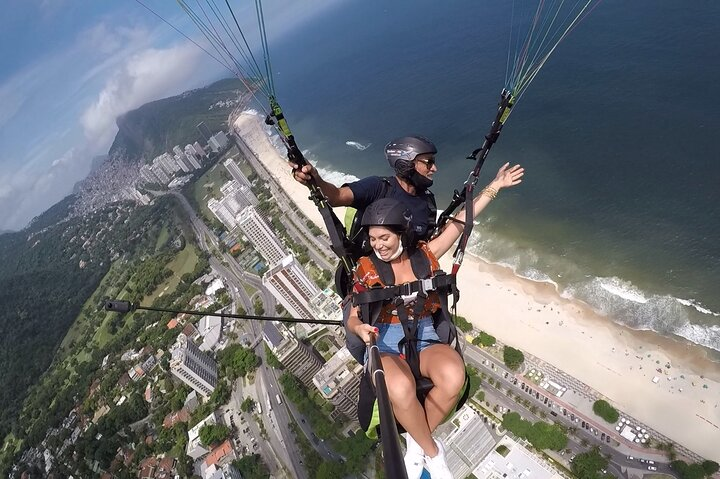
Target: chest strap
443, 283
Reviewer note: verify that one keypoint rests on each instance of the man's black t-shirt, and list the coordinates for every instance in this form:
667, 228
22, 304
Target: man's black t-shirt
372, 188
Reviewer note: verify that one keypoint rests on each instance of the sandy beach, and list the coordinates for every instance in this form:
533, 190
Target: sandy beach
614, 360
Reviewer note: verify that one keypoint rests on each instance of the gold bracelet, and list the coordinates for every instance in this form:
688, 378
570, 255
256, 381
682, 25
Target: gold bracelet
490, 192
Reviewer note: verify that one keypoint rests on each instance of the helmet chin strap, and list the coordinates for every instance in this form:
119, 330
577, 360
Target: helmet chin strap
417, 180
395, 255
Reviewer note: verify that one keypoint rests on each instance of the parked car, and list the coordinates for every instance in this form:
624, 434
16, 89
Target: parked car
643, 460
630, 458
652, 468
607, 438
650, 462
572, 416
602, 436
583, 424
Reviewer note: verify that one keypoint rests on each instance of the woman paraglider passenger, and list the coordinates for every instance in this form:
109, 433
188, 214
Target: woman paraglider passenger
400, 296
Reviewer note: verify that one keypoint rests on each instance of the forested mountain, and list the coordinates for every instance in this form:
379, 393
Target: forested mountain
158, 126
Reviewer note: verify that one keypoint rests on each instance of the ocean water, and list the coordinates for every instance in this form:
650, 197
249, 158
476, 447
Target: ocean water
618, 135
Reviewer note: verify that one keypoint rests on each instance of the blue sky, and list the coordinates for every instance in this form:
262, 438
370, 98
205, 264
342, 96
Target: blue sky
68, 68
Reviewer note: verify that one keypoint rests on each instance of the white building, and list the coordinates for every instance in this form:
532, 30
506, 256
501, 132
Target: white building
290, 285
518, 462
218, 141
192, 156
237, 174
210, 328
235, 196
222, 213
258, 232
193, 367
245, 188
199, 150
339, 382
183, 163
160, 174
147, 175
326, 305
167, 163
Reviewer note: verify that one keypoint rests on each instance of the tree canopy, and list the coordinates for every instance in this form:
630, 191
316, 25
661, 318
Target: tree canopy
589, 465
512, 357
484, 339
540, 434
603, 409
213, 434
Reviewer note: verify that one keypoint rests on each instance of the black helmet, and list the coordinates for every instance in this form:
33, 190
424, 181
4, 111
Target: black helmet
401, 152
387, 212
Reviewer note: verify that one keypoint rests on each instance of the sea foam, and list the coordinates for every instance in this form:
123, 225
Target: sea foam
358, 145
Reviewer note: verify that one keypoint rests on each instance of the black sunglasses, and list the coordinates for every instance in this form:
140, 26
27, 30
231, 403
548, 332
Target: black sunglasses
429, 163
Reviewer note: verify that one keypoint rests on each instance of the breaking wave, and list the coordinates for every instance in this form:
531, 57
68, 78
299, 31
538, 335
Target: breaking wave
358, 145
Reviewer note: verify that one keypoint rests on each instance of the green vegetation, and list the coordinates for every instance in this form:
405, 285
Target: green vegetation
271, 359
589, 465
463, 324
484, 339
503, 450
475, 380
540, 434
698, 470
512, 357
311, 458
296, 392
248, 405
603, 409
236, 361
355, 450
213, 434
252, 467
50, 278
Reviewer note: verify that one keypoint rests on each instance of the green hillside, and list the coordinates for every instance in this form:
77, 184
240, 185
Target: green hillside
158, 126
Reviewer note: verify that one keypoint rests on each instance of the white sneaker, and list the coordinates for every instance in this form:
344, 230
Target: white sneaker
437, 466
414, 456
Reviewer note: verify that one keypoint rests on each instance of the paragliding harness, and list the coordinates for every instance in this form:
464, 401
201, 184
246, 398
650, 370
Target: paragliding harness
433, 285
358, 237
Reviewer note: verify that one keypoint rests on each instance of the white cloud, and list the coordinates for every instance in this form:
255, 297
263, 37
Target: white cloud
28, 191
147, 75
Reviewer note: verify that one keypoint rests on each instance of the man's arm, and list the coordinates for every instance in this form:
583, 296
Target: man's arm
342, 196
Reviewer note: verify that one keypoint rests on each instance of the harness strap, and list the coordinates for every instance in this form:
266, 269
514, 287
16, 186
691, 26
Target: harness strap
442, 283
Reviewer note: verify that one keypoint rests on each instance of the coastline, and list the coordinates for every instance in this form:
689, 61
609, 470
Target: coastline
566, 333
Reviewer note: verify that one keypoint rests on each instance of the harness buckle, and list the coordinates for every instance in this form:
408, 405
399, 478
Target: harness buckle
427, 285
405, 289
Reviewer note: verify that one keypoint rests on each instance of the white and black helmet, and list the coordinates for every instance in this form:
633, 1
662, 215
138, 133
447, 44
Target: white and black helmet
401, 152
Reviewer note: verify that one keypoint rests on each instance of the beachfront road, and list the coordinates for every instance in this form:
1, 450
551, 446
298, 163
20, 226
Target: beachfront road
507, 380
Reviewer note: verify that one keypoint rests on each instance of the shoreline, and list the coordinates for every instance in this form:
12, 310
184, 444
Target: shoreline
531, 315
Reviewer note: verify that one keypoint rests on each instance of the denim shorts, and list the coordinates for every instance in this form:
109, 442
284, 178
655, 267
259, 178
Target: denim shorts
390, 334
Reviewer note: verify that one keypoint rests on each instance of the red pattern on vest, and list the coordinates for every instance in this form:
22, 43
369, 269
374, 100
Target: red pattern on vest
366, 277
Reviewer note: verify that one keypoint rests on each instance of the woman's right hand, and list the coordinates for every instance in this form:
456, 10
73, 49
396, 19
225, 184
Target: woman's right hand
364, 331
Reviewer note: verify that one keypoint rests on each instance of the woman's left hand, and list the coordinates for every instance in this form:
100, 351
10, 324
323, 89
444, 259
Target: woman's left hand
507, 176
